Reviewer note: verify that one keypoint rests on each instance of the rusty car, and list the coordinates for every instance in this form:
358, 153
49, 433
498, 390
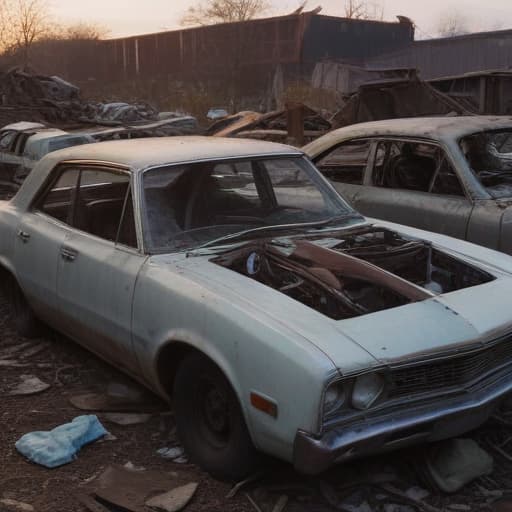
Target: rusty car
22, 144
451, 175
229, 277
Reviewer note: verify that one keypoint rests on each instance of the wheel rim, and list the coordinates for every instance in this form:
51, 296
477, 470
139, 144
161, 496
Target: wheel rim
214, 412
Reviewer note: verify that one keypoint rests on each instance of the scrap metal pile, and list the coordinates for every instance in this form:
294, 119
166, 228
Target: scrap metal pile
53, 100
272, 126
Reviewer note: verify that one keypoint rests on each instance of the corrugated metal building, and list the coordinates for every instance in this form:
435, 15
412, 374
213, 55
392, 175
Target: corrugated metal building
436, 58
248, 52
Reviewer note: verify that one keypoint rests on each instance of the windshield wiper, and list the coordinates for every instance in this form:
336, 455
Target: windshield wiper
337, 220
280, 227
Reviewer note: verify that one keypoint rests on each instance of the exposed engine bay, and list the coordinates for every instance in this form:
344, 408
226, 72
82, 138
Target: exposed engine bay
363, 271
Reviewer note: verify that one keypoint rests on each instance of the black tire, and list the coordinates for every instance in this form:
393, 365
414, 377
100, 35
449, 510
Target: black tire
210, 422
25, 320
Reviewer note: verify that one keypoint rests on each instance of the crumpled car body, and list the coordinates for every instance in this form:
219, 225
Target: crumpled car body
450, 175
340, 336
23, 144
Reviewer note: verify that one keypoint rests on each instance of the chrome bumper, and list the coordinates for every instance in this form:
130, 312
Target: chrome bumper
433, 422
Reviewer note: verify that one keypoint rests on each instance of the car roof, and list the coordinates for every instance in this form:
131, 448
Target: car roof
23, 126
49, 133
423, 127
139, 154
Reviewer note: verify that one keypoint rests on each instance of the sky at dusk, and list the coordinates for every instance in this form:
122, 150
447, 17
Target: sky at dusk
128, 17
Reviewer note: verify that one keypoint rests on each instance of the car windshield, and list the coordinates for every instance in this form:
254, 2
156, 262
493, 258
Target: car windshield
489, 155
191, 205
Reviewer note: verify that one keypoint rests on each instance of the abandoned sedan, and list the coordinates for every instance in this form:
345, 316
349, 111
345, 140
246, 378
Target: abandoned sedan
451, 175
231, 277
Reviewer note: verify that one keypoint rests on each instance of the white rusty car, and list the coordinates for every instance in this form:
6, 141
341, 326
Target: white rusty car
230, 277
451, 175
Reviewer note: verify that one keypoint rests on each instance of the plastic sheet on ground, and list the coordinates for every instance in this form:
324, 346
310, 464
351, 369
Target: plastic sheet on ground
60, 445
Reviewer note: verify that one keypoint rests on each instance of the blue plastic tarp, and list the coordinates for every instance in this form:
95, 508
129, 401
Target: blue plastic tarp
60, 445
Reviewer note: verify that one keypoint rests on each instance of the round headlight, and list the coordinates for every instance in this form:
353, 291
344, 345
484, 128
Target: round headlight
367, 389
334, 397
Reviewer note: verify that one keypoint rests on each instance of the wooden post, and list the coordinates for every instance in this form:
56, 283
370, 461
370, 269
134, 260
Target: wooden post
295, 123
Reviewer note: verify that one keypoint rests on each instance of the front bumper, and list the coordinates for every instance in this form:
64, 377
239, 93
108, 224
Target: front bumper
419, 423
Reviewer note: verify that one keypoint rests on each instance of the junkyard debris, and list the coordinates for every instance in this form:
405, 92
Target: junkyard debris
174, 500
132, 467
399, 99
281, 503
129, 490
176, 454
454, 463
232, 493
126, 419
107, 403
29, 385
60, 445
52, 99
273, 126
15, 506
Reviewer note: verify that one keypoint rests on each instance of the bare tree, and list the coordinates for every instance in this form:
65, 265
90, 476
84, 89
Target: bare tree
209, 12
22, 23
84, 31
363, 10
452, 23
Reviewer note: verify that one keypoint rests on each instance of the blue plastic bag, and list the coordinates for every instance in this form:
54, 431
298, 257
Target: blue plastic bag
60, 445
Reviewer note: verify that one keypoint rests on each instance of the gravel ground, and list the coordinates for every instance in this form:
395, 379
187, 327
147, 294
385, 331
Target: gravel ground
70, 371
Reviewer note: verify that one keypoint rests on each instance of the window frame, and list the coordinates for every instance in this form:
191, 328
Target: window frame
417, 140
9, 149
56, 174
366, 168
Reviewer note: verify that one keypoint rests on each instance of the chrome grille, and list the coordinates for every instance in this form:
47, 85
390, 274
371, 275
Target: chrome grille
452, 373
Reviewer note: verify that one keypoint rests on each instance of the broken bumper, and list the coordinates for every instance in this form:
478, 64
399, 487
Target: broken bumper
432, 422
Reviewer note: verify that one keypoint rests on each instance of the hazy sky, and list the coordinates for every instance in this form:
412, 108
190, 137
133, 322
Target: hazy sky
126, 17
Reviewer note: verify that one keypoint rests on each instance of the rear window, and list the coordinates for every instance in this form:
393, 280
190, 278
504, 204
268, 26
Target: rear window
66, 142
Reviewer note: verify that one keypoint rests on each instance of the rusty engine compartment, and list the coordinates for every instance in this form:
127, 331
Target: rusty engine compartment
361, 272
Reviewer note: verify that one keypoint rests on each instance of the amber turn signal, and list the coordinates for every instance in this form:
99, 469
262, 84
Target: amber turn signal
264, 405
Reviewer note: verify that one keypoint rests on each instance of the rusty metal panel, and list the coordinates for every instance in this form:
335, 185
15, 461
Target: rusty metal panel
355, 40
438, 58
247, 50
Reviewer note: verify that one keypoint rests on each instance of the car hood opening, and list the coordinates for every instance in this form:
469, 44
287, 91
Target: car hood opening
352, 274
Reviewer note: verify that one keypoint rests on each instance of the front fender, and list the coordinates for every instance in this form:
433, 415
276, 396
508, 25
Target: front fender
255, 354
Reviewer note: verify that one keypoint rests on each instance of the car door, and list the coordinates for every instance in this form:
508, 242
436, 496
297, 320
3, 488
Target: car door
99, 264
7, 163
415, 183
25, 163
344, 165
40, 235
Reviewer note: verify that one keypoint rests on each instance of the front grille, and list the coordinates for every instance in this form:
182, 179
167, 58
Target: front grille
452, 373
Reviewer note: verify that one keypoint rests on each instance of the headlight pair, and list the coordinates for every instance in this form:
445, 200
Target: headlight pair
359, 393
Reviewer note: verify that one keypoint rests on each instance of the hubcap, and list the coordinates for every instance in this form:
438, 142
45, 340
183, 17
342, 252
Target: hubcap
215, 412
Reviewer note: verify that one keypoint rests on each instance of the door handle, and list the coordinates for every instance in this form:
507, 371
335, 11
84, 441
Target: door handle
24, 236
68, 254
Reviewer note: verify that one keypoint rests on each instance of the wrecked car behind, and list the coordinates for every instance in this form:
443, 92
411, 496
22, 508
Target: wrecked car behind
449, 175
232, 277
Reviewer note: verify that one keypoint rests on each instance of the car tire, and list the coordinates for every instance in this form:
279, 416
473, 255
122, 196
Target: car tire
25, 320
210, 422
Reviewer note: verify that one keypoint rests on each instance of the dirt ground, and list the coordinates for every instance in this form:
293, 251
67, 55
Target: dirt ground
380, 484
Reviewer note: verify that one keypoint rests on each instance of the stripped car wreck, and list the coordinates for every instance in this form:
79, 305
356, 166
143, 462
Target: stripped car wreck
229, 277
451, 175
370, 270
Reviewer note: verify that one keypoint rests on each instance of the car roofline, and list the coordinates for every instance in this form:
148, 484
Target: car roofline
140, 170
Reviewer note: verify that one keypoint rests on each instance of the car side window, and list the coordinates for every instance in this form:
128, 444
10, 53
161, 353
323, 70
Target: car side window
417, 166
347, 162
57, 201
103, 206
6, 140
